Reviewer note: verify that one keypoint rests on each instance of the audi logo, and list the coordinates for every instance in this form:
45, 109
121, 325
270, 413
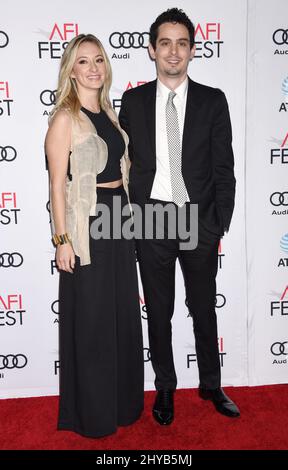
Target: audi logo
4, 39
10, 260
220, 300
129, 40
279, 199
48, 97
7, 153
147, 354
55, 307
278, 349
13, 362
280, 37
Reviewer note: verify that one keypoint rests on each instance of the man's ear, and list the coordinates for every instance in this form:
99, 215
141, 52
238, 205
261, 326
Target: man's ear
192, 53
151, 51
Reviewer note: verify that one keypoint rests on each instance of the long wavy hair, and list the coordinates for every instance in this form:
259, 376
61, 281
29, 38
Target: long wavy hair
67, 95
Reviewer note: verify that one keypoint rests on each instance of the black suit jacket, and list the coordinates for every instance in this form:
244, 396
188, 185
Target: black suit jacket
207, 155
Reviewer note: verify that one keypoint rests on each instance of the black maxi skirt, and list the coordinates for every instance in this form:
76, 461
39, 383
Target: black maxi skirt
100, 337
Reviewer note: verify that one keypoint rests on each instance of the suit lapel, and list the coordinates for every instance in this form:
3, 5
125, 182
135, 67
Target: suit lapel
150, 116
192, 106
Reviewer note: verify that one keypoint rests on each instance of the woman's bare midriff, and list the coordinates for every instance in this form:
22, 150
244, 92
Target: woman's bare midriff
110, 184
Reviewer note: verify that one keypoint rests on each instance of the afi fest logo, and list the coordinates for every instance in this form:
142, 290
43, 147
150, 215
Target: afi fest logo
280, 307
221, 255
11, 310
58, 39
192, 358
5, 99
8, 209
279, 154
116, 103
208, 40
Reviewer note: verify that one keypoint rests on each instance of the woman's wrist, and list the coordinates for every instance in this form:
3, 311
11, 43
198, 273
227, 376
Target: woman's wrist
60, 239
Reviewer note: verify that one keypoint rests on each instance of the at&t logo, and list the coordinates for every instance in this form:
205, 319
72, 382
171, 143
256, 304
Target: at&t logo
284, 88
283, 262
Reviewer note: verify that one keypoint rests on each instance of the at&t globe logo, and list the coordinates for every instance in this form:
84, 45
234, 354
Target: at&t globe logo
284, 243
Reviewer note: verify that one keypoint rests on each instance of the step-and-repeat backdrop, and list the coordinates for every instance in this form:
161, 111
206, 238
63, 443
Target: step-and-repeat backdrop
242, 48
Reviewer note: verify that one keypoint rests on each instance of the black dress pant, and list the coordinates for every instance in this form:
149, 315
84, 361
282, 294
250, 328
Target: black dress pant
157, 260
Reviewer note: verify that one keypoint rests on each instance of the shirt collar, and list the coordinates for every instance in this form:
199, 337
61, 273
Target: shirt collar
181, 90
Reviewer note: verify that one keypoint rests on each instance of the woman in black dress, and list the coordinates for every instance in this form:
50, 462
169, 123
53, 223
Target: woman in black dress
101, 351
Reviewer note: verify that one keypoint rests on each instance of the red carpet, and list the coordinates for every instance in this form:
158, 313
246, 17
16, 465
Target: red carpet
30, 423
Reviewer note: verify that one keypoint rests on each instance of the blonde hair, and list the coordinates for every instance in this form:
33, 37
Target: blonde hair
67, 94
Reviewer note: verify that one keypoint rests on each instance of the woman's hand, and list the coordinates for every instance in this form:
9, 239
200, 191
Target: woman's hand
65, 257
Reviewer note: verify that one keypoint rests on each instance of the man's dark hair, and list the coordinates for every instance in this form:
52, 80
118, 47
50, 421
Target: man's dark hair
172, 15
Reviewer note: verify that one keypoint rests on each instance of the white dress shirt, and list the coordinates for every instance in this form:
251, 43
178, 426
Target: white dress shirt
161, 188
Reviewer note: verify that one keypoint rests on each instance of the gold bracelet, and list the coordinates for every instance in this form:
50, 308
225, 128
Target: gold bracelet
60, 239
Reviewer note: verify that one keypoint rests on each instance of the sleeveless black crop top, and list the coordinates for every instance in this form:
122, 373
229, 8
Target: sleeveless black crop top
115, 143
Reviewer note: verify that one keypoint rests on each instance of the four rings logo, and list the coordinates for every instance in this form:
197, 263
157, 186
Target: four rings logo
279, 199
10, 260
129, 40
280, 37
55, 307
4, 39
7, 153
220, 300
48, 97
278, 349
12, 361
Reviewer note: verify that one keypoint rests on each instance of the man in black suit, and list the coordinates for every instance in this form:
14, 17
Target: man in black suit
181, 153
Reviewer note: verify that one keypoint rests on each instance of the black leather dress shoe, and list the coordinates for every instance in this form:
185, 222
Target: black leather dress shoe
163, 409
222, 403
